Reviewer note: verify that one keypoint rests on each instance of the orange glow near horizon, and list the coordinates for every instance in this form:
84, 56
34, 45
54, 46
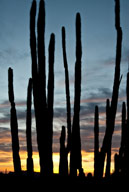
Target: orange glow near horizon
6, 165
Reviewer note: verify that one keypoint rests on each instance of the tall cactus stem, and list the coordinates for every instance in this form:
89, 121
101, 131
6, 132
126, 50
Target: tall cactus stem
28, 129
96, 142
14, 125
75, 156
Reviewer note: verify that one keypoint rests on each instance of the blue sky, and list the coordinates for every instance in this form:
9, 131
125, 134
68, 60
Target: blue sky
98, 59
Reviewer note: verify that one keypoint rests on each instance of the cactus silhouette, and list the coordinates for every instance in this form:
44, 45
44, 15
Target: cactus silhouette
28, 129
116, 163
96, 142
50, 101
44, 103
63, 166
122, 165
107, 142
14, 125
43, 106
121, 159
41, 97
67, 89
127, 130
107, 174
35, 77
67, 94
75, 156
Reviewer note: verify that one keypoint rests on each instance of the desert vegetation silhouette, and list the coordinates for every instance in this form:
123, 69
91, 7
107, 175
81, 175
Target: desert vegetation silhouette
43, 106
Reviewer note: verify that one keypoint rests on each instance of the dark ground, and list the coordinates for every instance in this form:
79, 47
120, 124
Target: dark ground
24, 182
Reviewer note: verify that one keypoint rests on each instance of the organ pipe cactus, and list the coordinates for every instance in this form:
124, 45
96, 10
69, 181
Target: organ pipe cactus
67, 89
96, 142
50, 101
67, 95
75, 156
107, 142
108, 128
122, 151
63, 166
14, 125
43, 106
127, 130
28, 129
123, 131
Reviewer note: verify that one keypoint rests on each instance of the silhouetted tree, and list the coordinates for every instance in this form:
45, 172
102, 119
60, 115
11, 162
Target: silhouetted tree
43, 110
75, 156
14, 125
63, 166
96, 142
28, 129
107, 142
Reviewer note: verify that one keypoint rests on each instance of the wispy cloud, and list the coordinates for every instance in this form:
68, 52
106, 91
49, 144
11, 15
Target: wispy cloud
7, 56
124, 58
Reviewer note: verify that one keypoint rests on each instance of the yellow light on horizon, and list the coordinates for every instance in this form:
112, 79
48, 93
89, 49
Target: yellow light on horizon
87, 161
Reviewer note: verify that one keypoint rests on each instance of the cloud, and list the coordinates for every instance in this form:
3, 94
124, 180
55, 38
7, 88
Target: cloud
5, 159
8, 55
60, 118
124, 58
20, 109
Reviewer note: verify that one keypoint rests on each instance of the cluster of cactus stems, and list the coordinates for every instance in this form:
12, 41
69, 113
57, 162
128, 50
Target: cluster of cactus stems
122, 159
73, 137
119, 158
106, 148
43, 105
64, 150
112, 108
67, 89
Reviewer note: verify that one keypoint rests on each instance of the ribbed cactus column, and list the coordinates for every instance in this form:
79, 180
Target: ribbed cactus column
43, 106
28, 129
122, 166
75, 156
35, 76
96, 142
107, 174
116, 163
50, 102
14, 125
67, 89
42, 133
127, 131
63, 166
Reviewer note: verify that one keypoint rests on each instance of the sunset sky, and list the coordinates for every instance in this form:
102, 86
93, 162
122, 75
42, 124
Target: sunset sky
98, 62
